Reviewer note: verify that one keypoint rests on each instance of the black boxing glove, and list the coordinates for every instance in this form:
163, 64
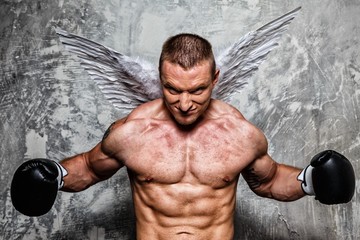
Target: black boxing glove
35, 185
330, 177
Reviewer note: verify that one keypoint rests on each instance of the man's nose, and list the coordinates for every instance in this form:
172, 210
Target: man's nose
185, 102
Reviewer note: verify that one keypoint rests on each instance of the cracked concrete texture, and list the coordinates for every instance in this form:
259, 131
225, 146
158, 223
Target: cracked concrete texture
305, 98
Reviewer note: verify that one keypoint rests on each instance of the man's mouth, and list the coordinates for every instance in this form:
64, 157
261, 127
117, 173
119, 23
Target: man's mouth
185, 113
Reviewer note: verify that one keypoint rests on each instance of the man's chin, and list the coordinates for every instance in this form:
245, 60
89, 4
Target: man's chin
186, 121
182, 123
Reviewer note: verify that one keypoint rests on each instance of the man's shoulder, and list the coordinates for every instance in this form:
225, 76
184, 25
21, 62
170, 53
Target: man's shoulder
220, 109
143, 116
234, 119
148, 110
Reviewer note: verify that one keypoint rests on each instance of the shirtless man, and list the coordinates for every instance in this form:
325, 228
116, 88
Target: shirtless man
184, 154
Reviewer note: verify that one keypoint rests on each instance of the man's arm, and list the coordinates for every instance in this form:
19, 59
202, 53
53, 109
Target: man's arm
88, 168
36, 182
268, 178
330, 176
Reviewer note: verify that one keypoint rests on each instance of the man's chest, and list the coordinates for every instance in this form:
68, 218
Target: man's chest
209, 155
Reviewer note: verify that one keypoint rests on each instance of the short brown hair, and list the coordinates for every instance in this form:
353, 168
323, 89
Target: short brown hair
187, 50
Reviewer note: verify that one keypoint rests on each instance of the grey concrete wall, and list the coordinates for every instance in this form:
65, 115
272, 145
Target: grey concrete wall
305, 97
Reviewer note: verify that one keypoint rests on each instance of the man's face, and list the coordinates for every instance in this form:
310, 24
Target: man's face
187, 93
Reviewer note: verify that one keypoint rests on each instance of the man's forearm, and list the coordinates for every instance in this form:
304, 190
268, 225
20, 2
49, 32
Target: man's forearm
285, 186
79, 177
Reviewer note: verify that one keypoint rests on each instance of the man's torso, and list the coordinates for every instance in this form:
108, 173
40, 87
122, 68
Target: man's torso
184, 181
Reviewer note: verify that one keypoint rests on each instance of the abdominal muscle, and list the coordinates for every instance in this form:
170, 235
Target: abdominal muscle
183, 211
183, 183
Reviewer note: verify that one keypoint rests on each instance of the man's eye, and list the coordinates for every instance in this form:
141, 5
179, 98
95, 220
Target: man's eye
173, 90
197, 91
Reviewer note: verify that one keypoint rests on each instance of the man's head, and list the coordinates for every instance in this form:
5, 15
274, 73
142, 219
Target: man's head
187, 50
188, 74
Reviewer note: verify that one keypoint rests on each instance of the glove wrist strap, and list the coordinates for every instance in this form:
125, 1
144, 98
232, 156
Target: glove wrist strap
62, 173
306, 178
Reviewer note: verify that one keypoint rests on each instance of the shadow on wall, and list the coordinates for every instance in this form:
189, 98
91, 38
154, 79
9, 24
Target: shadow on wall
108, 215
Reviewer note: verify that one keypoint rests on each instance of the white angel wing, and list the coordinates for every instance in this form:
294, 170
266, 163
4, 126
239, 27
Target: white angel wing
124, 81
127, 82
238, 62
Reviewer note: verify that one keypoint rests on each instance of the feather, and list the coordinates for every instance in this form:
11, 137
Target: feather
128, 82
124, 81
241, 60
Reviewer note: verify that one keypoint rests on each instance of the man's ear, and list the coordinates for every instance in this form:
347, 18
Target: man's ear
216, 76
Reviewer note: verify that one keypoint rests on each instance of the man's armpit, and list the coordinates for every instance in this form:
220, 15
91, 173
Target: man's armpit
260, 173
107, 132
251, 178
110, 128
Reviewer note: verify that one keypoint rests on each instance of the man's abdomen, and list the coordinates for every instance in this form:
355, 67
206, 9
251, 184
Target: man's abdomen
184, 211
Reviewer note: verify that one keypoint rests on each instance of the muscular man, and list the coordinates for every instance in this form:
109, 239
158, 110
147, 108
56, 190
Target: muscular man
184, 154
